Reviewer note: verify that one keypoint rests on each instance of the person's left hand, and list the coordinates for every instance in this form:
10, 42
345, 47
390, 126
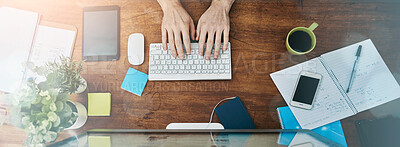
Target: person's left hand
214, 22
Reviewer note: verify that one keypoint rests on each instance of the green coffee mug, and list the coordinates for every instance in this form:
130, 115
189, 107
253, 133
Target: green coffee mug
310, 32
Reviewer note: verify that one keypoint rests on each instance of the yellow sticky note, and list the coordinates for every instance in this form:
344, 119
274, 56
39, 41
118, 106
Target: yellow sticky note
99, 141
99, 104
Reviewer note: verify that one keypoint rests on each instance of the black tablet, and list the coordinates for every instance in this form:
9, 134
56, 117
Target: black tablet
100, 33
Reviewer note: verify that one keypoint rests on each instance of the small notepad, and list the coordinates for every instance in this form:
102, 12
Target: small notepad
99, 141
99, 104
135, 81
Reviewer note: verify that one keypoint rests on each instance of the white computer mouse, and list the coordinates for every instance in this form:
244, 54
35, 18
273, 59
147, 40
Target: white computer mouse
136, 49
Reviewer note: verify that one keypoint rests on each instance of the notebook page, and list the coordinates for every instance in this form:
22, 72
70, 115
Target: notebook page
329, 105
50, 43
17, 29
373, 83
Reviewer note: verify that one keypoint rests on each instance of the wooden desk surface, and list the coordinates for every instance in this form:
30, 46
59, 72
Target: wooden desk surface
258, 32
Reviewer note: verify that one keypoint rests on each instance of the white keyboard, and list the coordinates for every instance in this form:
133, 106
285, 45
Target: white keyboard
162, 66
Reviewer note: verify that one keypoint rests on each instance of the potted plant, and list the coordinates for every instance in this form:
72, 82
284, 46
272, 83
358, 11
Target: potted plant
41, 113
62, 73
42, 108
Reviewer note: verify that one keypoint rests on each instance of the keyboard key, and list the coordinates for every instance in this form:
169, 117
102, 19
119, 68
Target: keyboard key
197, 71
198, 66
176, 67
162, 57
212, 61
174, 71
181, 67
221, 66
185, 61
190, 61
194, 67
180, 71
224, 56
227, 66
169, 61
162, 62
201, 61
207, 61
174, 61
155, 52
155, 57
165, 66
196, 61
179, 61
204, 66
169, 71
170, 67
218, 61
187, 67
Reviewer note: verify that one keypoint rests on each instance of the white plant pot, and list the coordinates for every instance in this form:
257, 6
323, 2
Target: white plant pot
82, 116
83, 87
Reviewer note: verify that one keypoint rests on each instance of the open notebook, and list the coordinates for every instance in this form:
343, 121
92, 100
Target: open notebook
373, 84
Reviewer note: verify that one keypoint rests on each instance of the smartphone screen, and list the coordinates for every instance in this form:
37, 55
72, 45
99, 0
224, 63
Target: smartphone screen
306, 89
101, 33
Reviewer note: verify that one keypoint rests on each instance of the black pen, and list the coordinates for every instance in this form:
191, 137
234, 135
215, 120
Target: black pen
354, 68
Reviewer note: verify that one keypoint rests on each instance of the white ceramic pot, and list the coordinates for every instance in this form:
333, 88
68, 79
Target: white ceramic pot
82, 116
83, 87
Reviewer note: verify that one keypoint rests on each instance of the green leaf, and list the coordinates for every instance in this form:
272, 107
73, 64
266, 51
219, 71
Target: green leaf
50, 136
37, 100
63, 96
46, 108
52, 116
43, 86
53, 107
60, 106
57, 122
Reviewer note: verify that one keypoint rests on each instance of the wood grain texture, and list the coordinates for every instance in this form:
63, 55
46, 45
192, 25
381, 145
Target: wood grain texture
257, 36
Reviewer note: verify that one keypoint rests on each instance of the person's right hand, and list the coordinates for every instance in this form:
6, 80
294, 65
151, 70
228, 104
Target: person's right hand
176, 26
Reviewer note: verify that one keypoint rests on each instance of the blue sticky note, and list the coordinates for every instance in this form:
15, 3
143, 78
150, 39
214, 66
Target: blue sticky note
135, 81
332, 131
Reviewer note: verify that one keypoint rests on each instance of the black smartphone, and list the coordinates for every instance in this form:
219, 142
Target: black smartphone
101, 33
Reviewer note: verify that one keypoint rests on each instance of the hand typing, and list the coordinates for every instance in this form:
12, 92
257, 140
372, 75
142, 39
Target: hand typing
213, 23
176, 26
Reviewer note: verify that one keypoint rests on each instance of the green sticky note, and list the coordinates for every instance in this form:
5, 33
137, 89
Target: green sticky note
99, 141
99, 104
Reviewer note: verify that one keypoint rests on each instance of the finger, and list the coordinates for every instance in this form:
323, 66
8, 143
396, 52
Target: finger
178, 45
198, 31
164, 38
192, 30
171, 43
186, 42
210, 43
202, 40
217, 46
226, 39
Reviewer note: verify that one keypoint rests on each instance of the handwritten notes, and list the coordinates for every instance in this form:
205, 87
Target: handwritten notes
329, 105
373, 84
